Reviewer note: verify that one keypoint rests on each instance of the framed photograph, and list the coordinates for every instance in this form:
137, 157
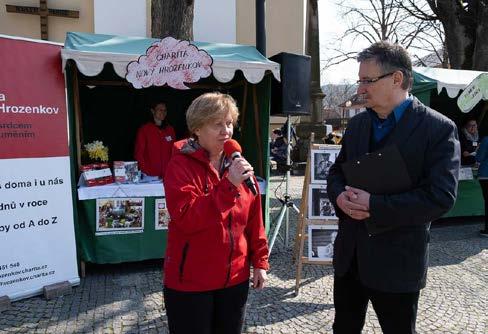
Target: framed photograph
321, 161
161, 215
120, 215
319, 205
321, 240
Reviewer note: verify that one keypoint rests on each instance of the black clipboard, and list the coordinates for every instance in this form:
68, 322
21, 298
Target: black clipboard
380, 172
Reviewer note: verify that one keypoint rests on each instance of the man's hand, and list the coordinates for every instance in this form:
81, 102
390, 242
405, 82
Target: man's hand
354, 203
359, 196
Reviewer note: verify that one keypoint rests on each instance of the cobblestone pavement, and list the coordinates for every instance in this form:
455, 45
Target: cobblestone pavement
127, 298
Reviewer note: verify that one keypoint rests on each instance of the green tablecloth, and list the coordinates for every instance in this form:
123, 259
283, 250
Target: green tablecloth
116, 248
469, 201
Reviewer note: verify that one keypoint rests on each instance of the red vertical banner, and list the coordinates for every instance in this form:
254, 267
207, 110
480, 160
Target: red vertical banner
37, 239
33, 119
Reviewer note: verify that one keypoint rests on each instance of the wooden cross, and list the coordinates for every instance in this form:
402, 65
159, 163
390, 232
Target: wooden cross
44, 12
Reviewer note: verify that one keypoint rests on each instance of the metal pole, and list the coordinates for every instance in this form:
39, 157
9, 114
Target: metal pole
287, 186
261, 26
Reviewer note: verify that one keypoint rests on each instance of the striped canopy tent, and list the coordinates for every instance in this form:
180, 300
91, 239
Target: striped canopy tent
92, 51
103, 105
439, 88
429, 79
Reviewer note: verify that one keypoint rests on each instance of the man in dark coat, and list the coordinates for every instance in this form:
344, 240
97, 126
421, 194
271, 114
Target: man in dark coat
389, 268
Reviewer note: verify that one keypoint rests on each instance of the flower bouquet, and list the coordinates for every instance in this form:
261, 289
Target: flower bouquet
95, 166
95, 152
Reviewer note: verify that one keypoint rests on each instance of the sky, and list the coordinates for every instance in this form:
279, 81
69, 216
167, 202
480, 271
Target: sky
331, 27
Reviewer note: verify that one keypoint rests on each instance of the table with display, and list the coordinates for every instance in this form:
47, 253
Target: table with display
469, 200
115, 243
119, 244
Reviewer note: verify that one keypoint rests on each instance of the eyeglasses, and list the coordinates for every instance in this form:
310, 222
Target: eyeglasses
373, 80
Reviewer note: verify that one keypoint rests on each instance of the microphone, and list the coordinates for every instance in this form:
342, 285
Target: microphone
233, 150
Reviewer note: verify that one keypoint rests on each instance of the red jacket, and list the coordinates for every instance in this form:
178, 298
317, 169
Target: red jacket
216, 230
153, 148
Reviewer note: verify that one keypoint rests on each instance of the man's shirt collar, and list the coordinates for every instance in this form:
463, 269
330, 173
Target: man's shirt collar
382, 127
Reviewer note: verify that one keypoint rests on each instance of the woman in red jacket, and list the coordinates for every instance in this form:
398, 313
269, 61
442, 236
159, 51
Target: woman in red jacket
154, 142
216, 232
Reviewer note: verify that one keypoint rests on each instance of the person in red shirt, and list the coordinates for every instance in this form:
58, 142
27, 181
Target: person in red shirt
154, 142
216, 232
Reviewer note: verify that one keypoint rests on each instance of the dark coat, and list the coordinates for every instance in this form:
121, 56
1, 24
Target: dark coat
397, 260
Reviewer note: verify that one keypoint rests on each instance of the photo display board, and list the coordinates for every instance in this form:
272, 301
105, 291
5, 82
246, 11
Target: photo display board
321, 240
318, 226
321, 159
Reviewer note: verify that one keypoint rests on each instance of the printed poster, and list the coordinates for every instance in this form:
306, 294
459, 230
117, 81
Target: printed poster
161, 215
120, 216
37, 240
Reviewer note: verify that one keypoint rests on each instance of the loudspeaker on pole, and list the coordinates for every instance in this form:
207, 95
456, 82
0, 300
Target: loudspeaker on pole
291, 96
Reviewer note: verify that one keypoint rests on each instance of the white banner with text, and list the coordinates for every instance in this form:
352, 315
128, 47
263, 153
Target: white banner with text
36, 226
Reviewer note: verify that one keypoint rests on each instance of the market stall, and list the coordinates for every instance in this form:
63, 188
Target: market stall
104, 106
439, 89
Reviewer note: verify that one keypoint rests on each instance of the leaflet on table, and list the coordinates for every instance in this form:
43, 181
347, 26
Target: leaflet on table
126, 172
465, 173
96, 174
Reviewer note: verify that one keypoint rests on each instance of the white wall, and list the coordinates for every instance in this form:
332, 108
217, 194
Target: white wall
121, 17
215, 21
29, 25
285, 25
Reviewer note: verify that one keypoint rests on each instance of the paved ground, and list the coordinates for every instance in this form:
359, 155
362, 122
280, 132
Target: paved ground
127, 298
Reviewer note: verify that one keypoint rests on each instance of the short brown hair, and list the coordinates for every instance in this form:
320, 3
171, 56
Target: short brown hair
209, 107
390, 57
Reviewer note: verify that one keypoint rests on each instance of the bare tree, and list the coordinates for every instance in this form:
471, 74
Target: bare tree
172, 18
466, 29
337, 94
375, 20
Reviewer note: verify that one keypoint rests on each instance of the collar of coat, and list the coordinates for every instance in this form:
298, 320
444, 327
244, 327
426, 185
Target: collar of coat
192, 148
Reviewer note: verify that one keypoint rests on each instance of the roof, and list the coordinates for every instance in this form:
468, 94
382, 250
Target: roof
430, 60
426, 78
92, 51
353, 102
330, 113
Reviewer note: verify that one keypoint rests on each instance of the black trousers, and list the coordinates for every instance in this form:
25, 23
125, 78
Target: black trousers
484, 189
397, 312
210, 312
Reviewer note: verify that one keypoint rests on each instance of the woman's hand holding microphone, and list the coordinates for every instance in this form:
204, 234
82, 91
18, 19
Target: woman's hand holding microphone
239, 171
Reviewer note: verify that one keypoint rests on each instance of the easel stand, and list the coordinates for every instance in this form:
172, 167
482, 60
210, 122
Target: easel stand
304, 221
286, 203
